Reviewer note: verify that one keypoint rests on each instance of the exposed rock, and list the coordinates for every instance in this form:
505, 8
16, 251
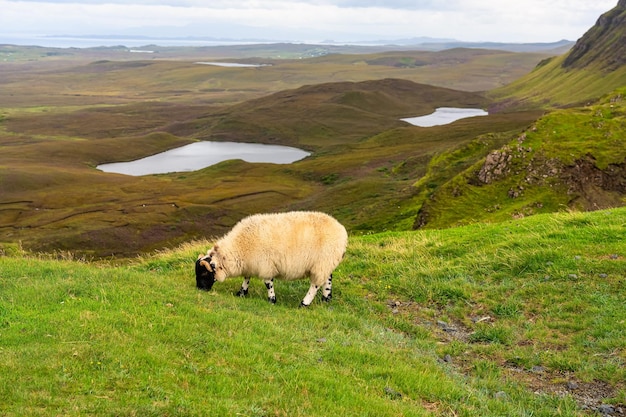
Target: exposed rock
392, 393
495, 166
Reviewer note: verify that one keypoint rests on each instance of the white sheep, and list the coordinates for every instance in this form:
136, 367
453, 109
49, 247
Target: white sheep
290, 246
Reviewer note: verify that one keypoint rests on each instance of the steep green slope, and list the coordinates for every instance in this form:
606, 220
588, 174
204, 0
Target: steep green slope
604, 45
568, 159
595, 66
520, 318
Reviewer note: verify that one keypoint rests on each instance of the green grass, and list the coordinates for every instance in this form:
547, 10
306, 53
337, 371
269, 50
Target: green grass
550, 85
552, 167
532, 304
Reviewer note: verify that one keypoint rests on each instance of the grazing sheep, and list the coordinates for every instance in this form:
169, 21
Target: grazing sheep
284, 245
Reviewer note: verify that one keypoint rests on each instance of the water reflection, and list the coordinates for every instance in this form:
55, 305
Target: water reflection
203, 154
233, 64
444, 115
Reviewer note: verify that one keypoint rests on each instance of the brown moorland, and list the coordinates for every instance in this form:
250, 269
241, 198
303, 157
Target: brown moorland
64, 112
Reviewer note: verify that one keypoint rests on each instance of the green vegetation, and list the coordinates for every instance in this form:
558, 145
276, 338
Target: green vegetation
367, 168
570, 158
521, 318
363, 164
550, 85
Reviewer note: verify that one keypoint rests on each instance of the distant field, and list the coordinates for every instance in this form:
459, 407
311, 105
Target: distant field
112, 76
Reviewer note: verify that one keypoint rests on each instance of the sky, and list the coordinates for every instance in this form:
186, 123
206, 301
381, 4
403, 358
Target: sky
519, 21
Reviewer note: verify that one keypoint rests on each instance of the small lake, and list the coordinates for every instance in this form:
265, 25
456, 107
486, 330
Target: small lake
203, 154
444, 115
233, 64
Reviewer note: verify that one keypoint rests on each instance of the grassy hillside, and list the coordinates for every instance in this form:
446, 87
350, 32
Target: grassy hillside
595, 66
570, 158
521, 318
318, 117
550, 85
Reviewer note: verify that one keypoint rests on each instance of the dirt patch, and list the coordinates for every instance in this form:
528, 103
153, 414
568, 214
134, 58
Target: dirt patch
591, 396
595, 188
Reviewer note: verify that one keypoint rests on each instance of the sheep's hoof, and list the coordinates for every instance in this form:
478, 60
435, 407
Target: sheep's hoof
302, 305
271, 300
327, 299
241, 293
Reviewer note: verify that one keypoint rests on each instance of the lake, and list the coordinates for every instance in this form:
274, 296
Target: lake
444, 115
233, 64
203, 154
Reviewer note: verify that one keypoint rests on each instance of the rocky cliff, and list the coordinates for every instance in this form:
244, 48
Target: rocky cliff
604, 45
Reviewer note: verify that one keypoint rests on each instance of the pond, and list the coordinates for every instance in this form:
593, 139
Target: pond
444, 115
233, 64
203, 154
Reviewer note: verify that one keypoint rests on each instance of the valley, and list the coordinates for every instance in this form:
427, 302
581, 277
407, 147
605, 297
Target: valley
63, 114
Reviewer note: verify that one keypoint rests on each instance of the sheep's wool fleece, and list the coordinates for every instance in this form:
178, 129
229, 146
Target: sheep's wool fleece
286, 245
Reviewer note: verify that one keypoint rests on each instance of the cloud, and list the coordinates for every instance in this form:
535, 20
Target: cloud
309, 20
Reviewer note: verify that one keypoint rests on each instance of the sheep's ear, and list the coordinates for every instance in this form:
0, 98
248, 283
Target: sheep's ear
201, 256
207, 265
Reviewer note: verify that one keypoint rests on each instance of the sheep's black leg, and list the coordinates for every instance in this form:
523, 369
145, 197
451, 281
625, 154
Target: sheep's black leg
327, 291
271, 295
243, 291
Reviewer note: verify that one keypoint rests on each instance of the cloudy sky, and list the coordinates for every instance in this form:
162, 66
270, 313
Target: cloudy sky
306, 20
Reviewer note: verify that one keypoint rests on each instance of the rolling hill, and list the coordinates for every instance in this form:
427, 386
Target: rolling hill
363, 163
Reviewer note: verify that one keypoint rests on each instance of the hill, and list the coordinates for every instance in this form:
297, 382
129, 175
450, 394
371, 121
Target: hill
323, 115
524, 317
604, 45
568, 159
365, 161
593, 67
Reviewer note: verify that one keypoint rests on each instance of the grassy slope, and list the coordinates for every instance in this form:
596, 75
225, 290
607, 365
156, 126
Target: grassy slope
521, 308
550, 85
568, 158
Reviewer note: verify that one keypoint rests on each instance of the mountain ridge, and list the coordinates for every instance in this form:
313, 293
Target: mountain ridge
595, 66
603, 43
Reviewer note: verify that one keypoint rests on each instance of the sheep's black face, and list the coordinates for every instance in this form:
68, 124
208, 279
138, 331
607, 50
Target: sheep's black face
205, 274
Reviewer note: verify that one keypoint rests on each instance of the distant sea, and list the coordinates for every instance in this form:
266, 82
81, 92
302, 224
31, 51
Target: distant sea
91, 42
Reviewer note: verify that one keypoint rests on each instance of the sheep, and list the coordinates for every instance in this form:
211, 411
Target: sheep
288, 246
